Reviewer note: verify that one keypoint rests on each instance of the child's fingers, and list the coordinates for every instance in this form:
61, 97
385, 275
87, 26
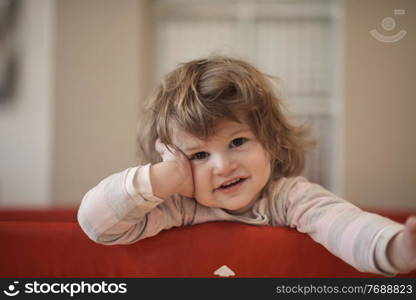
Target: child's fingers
411, 223
181, 154
167, 153
159, 146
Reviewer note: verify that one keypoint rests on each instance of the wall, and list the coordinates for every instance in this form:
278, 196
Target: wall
97, 93
85, 69
380, 106
26, 124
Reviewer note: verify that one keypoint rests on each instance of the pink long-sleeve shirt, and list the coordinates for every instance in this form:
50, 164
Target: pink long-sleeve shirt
122, 209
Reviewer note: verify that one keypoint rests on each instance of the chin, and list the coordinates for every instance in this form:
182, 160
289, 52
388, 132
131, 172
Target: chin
237, 207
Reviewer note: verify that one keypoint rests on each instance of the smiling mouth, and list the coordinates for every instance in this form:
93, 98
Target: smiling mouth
231, 184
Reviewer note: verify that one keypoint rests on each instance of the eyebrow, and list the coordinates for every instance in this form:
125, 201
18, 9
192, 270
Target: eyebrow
238, 131
196, 147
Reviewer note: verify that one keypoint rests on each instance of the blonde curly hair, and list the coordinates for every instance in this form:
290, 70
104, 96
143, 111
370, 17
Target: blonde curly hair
198, 93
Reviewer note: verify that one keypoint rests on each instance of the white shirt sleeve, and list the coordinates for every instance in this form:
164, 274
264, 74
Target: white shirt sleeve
357, 237
122, 209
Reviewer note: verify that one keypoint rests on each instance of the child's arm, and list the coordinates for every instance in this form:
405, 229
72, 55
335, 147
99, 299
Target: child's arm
135, 203
358, 237
401, 250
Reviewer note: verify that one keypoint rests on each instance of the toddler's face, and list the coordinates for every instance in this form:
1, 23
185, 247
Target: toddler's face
230, 168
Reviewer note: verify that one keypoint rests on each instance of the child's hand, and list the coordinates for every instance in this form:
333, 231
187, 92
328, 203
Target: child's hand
182, 167
402, 249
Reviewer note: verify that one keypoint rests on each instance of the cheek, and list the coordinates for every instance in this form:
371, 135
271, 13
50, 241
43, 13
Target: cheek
258, 157
202, 185
201, 179
266, 161
260, 163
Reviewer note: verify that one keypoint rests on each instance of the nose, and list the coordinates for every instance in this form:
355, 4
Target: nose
224, 164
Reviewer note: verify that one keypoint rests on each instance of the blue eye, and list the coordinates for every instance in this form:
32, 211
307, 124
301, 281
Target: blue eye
199, 156
238, 142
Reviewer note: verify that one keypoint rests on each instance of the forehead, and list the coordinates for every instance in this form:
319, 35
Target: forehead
224, 129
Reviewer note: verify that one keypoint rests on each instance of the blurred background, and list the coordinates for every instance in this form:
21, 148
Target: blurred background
73, 74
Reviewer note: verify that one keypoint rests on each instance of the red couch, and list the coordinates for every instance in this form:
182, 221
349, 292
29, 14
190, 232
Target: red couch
50, 243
